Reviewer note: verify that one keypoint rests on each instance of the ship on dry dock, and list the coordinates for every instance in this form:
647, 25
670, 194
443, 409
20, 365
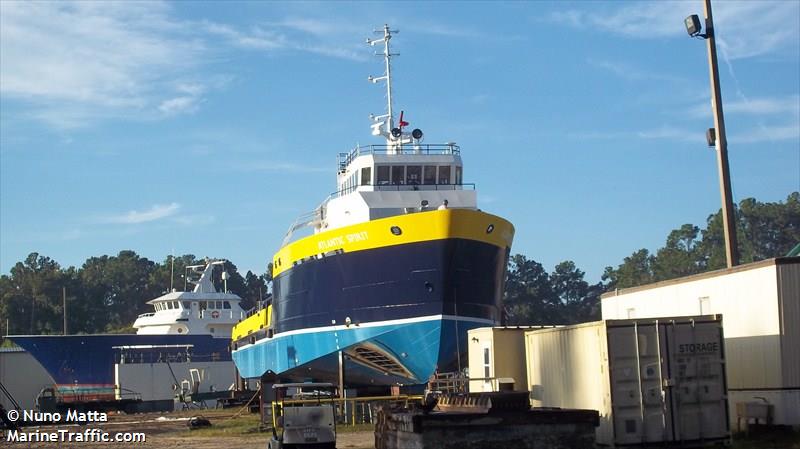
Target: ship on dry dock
400, 265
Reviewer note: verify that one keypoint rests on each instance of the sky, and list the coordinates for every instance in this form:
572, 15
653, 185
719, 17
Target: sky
205, 128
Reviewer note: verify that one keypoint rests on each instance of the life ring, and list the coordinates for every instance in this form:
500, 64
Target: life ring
215, 314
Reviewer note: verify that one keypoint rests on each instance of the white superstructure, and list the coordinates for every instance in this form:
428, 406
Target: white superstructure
204, 310
401, 176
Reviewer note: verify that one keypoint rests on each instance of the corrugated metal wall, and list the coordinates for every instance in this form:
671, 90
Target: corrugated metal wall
789, 297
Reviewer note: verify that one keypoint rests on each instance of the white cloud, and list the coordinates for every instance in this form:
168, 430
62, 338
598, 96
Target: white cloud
304, 35
767, 134
668, 132
285, 167
765, 106
631, 72
156, 212
71, 63
664, 132
744, 29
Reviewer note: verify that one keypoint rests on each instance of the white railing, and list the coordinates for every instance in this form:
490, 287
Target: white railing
208, 312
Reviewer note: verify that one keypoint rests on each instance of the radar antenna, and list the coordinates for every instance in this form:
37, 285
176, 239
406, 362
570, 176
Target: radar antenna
385, 120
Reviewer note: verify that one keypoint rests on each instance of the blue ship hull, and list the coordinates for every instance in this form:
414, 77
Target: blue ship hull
83, 365
415, 349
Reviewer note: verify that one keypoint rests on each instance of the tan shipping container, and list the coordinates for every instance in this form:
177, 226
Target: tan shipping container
496, 354
652, 380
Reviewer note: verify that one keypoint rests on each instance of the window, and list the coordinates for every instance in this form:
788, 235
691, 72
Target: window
366, 176
486, 364
169, 305
397, 174
219, 305
226, 305
203, 305
458, 175
444, 174
176, 305
383, 175
430, 175
413, 174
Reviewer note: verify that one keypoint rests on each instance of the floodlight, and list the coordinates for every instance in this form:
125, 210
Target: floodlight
711, 137
693, 25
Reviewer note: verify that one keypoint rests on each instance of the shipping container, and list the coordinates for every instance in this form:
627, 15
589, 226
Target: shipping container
497, 354
654, 381
760, 305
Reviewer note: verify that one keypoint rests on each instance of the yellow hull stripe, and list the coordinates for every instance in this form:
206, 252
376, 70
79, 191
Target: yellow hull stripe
253, 323
414, 227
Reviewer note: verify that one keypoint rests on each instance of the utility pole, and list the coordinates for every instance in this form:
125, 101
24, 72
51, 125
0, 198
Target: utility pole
64, 306
721, 143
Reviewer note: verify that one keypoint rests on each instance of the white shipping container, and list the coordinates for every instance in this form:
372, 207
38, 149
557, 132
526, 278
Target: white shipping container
652, 380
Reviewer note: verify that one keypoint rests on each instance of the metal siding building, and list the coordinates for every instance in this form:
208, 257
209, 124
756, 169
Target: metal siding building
760, 305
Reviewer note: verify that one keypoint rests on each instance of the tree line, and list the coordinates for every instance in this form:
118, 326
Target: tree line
764, 230
107, 293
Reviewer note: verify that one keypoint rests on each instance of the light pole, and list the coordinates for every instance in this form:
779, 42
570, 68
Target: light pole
716, 136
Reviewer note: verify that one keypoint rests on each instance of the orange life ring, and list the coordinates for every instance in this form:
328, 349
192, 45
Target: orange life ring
215, 314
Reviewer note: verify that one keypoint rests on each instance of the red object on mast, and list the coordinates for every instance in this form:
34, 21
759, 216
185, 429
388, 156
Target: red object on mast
402, 123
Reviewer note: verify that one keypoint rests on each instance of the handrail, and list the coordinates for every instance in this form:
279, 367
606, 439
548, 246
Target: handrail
404, 188
344, 159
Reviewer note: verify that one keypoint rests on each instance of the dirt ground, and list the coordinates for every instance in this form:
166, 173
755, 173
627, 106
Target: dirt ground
171, 431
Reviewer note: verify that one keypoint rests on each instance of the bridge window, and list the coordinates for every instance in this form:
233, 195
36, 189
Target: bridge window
366, 176
398, 172
176, 305
444, 174
383, 175
458, 175
430, 175
226, 305
413, 174
203, 305
219, 305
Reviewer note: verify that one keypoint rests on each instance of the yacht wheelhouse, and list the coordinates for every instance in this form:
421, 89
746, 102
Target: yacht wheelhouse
204, 310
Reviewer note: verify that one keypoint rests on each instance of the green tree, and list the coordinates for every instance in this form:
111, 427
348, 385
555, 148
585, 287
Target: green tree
528, 297
636, 269
680, 256
31, 296
119, 285
764, 230
578, 300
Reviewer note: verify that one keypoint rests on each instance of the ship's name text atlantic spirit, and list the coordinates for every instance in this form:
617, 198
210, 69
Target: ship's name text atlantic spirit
338, 241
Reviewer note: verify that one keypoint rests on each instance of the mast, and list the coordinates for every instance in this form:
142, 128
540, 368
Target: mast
388, 118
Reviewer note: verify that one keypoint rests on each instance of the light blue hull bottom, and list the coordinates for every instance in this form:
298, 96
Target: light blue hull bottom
420, 347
